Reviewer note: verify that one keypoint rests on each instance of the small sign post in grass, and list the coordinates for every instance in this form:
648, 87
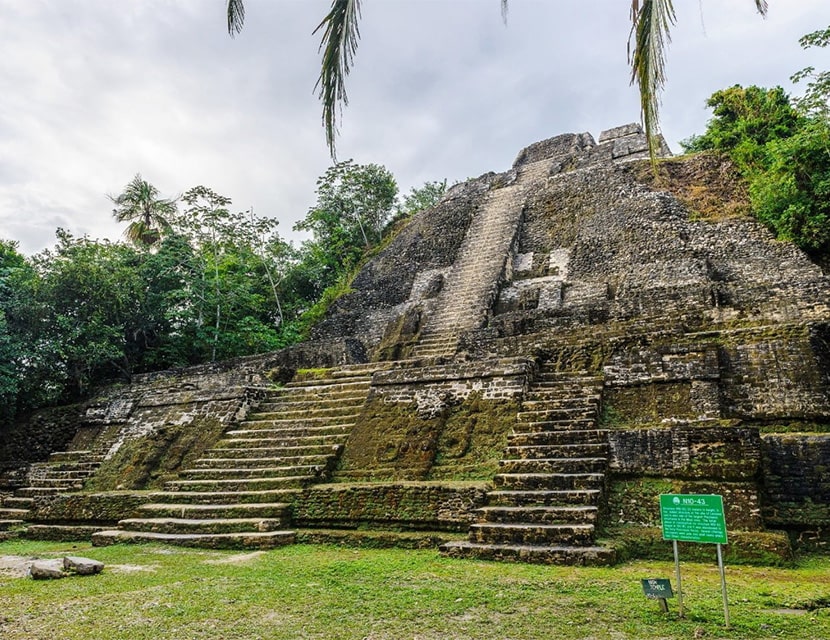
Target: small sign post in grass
695, 518
658, 589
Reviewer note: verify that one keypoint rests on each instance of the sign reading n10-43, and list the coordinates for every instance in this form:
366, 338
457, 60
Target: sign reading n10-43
693, 518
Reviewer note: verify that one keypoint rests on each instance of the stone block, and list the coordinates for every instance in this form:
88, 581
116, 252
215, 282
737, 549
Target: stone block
82, 566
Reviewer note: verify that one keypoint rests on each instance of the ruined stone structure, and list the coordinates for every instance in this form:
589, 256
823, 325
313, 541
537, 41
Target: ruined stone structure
518, 375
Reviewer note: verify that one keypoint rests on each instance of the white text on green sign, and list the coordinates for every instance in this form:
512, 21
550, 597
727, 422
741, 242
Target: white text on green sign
693, 518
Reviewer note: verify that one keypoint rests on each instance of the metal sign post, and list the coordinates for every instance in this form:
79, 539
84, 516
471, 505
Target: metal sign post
695, 518
680, 613
723, 587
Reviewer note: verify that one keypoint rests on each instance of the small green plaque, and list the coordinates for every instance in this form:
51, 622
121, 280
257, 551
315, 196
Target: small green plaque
657, 588
693, 518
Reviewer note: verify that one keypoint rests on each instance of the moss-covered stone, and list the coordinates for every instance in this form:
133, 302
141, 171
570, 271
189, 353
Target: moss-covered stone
647, 404
762, 548
436, 506
147, 462
400, 441
90, 508
636, 501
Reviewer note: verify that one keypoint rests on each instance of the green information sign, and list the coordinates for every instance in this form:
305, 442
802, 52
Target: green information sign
693, 518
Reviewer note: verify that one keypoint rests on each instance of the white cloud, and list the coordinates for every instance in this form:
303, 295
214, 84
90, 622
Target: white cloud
95, 91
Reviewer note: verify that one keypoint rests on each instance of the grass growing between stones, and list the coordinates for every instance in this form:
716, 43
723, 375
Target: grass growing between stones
342, 593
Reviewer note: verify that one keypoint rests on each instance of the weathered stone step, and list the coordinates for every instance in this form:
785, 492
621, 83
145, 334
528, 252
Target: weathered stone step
255, 496
347, 414
236, 484
273, 452
255, 472
538, 514
580, 376
314, 398
60, 532
516, 533
10, 524
69, 456
8, 513
66, 467
553, 465
575, 385
577, 436
261, 463
534, 411
545, 497
264, 443
279, 431
312, 386
63, 474
580, 450
209, 525
249, 540
18, 502
558, 397
35, 492
533, 481
65, 484
591, 556
269, 510
532, 426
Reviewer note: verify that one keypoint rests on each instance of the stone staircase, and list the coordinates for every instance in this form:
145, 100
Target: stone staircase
237, 495
13, 513
63, 472
472, 285
546, 501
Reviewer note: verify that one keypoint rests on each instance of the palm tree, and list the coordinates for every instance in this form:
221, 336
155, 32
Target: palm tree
148, 214
651, 23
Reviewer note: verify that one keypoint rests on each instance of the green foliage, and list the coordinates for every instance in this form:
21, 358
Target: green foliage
784, 154
792, 194
147, 213
15, 290
745, 120
354, 204
195, 284
420, 198
816, 98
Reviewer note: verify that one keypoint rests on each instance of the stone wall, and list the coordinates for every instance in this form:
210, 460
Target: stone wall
796, 482
442, 421
402, 505
34, 438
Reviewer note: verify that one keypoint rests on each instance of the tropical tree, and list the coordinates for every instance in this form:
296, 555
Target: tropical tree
140, 205
651, 24
419, 198
232, 304
354, 204
16, 292
816, 99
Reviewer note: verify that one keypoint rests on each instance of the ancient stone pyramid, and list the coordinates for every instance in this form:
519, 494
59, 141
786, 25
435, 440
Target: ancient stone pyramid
517, 375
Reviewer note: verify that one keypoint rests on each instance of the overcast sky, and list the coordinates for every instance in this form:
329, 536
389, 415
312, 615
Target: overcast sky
95, 91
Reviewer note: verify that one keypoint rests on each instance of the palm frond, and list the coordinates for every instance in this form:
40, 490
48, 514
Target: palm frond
762, 6
504, 11
236, 16
652, 21
338, 46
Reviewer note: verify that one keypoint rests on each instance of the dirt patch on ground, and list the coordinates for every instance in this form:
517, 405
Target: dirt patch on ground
15, 566
238, 558
132, 568
707, 183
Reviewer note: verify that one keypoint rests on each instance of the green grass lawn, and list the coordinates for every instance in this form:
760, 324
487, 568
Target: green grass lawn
300, 591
